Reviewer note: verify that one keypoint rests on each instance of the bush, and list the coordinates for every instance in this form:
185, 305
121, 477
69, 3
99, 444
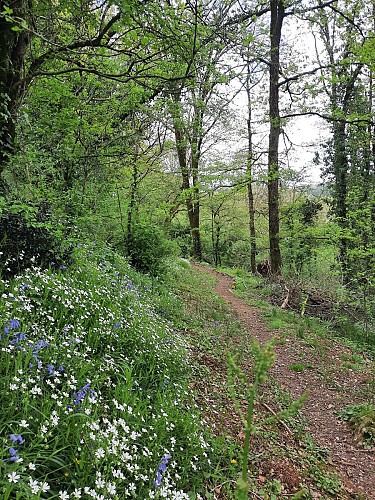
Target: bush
238, 254
28, 237
148, 248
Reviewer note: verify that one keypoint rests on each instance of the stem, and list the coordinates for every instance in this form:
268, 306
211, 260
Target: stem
249, 431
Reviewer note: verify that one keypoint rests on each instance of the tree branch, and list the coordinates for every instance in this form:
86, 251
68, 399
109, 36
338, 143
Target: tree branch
91, 42
304, 73
330, 118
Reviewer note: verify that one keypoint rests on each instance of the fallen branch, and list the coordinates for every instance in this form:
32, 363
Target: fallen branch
279, 420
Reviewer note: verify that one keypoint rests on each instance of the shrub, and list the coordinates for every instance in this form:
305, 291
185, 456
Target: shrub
148, 248
28, 237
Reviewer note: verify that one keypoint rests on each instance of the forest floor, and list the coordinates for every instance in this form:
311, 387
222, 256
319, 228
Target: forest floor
324, 369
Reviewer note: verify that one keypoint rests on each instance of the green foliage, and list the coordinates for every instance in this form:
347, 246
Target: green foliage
29, 236
148, 248
301, 241
180, 233
94, 386
239, 384
361, 418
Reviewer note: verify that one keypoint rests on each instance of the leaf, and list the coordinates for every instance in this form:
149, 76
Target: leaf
7, 11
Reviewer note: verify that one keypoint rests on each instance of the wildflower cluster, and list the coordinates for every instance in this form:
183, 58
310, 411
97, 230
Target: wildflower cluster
87, 412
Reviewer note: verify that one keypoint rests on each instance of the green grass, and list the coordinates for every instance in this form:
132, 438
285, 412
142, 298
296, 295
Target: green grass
298, 367
218, 331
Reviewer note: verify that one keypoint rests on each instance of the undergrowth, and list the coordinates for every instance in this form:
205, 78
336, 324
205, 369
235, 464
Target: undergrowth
94, 388
214, 332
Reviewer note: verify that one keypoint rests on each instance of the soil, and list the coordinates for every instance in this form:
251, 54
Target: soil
330, 385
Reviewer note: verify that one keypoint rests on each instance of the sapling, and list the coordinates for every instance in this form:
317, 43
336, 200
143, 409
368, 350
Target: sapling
264, 359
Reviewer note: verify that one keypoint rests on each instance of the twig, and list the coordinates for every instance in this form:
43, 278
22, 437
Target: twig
281, 421
343, 462
286, 300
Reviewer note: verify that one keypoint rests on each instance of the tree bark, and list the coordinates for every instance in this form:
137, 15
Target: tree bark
191, 192
277, 17
13, 46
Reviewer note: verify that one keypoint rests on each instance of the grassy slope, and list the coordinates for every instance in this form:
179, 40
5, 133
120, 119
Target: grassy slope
94, 387
285, 460
97, 366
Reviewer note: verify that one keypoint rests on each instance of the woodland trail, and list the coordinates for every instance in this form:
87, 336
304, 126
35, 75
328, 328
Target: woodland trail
329, 390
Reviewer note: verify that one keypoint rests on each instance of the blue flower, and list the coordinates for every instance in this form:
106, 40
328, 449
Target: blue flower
38, 362
23, 288
81, 394
16, 439
162, 468
39, 345
51, 369
166, 383
14, 323
13, 455
18, 336
158, 480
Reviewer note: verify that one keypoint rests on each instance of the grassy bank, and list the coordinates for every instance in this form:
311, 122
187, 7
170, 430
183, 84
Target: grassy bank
94, 387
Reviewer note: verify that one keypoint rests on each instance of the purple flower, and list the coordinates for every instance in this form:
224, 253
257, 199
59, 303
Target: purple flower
81, 394
14, 323
38, 362
18, 336
162, 468
164, 462
158, 480
39, 345
51, 369
13, 455
16, 439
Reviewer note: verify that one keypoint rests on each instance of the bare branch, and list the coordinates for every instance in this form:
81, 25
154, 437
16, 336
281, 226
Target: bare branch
330, 118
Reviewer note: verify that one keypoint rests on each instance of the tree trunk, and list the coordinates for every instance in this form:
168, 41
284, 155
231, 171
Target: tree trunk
132, 203
13, 46
249, 175
191, 192
277, 17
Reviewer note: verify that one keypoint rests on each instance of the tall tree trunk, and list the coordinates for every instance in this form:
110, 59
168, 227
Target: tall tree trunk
191, 192
340, 169
277, 17
191, 195
13, 46
195, 149
192, 203
249, 175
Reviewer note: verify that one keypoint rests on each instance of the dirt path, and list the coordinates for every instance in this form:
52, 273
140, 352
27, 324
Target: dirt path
330, 389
